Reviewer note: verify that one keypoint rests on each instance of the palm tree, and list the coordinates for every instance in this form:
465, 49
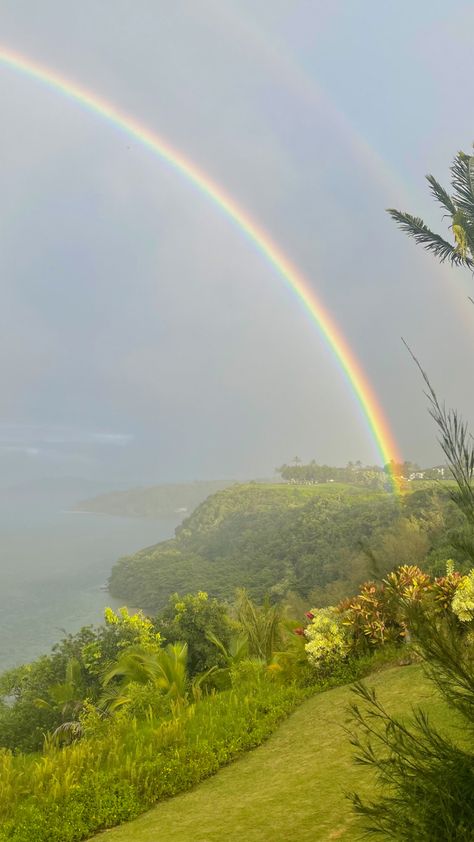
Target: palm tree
235, 652
460, 210
260, 625
165, 670
67, 698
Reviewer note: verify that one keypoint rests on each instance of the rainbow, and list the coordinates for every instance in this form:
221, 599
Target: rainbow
356, 379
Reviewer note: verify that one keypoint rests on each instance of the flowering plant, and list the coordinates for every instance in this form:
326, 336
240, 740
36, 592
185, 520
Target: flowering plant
463, 599
327, 642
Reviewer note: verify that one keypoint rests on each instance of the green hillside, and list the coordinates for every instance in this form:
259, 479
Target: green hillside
291, 789
275, 539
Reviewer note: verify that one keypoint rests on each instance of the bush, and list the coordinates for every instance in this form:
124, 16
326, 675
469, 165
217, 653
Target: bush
327, 640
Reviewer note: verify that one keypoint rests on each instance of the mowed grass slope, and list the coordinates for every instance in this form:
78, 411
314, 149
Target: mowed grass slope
292, 789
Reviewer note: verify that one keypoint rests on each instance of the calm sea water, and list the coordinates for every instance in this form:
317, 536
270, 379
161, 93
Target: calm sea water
53, 566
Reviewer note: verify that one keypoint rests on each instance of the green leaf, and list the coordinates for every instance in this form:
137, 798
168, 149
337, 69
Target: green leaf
441, 195
416, 228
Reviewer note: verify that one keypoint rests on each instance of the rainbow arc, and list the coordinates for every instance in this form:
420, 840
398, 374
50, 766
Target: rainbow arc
355, 377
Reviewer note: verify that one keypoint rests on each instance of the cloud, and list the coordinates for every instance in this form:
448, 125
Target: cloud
46, 435
29, 451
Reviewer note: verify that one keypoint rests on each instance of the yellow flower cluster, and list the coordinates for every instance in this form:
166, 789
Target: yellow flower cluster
463, 599
140, 625
326, 637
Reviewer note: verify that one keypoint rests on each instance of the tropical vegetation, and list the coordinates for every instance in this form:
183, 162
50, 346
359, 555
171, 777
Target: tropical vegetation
426, 779
316, 543
131, 721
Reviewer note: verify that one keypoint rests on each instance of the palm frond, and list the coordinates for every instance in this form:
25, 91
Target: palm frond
112, 699
416, 228
68, 732
462, 171
441, 195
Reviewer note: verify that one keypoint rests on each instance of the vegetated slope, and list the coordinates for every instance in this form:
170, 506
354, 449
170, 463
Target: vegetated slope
267, 538
273, 539
292, 789
153, 501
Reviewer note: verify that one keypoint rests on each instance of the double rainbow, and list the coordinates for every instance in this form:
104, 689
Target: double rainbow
378, 426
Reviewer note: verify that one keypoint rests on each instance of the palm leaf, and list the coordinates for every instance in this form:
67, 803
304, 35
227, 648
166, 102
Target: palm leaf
68, 732
113, 698
416, 228
441, 195
462, 171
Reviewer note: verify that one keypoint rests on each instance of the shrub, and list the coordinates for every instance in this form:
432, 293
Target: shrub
463, 598
327, 641
371, 618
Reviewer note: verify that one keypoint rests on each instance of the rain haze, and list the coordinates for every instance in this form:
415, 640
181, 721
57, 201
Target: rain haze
145, 338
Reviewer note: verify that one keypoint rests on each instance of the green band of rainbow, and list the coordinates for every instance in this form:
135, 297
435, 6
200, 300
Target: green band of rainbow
377, 423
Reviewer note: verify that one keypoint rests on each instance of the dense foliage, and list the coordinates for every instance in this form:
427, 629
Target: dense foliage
192, 619
369, 476
319, 542
27, 708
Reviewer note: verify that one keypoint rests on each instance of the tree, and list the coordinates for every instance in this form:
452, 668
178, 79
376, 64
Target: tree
66, 698
164, 670
460, 209
68, 676
190, 619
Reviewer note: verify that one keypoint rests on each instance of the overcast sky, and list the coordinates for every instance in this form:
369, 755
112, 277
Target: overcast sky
143, 337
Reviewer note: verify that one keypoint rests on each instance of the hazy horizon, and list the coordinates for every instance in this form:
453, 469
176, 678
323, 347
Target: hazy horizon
144, 338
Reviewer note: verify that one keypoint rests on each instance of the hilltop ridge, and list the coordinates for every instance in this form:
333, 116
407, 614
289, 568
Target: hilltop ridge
318, 542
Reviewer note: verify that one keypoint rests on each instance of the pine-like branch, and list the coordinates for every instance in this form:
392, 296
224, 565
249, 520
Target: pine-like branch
456, 443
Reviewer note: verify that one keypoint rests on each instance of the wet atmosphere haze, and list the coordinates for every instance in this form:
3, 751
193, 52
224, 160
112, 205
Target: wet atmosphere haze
144, 338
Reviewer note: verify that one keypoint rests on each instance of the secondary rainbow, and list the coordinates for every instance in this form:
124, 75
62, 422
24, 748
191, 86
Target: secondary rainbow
357, 380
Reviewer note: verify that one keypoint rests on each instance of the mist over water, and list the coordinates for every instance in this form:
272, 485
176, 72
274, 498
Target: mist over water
54, 564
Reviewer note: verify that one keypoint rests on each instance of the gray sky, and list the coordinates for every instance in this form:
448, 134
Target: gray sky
143, 336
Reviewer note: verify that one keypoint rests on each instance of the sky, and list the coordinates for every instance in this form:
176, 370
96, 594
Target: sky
143, 337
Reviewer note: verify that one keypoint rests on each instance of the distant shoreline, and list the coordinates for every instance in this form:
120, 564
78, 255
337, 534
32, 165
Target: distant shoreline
156, 502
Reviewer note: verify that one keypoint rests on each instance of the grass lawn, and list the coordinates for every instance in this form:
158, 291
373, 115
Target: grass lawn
292, 788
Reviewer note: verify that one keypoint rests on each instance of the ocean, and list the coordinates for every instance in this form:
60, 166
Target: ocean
54, 565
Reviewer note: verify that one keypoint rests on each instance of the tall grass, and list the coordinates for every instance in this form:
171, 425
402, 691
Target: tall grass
126, 765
